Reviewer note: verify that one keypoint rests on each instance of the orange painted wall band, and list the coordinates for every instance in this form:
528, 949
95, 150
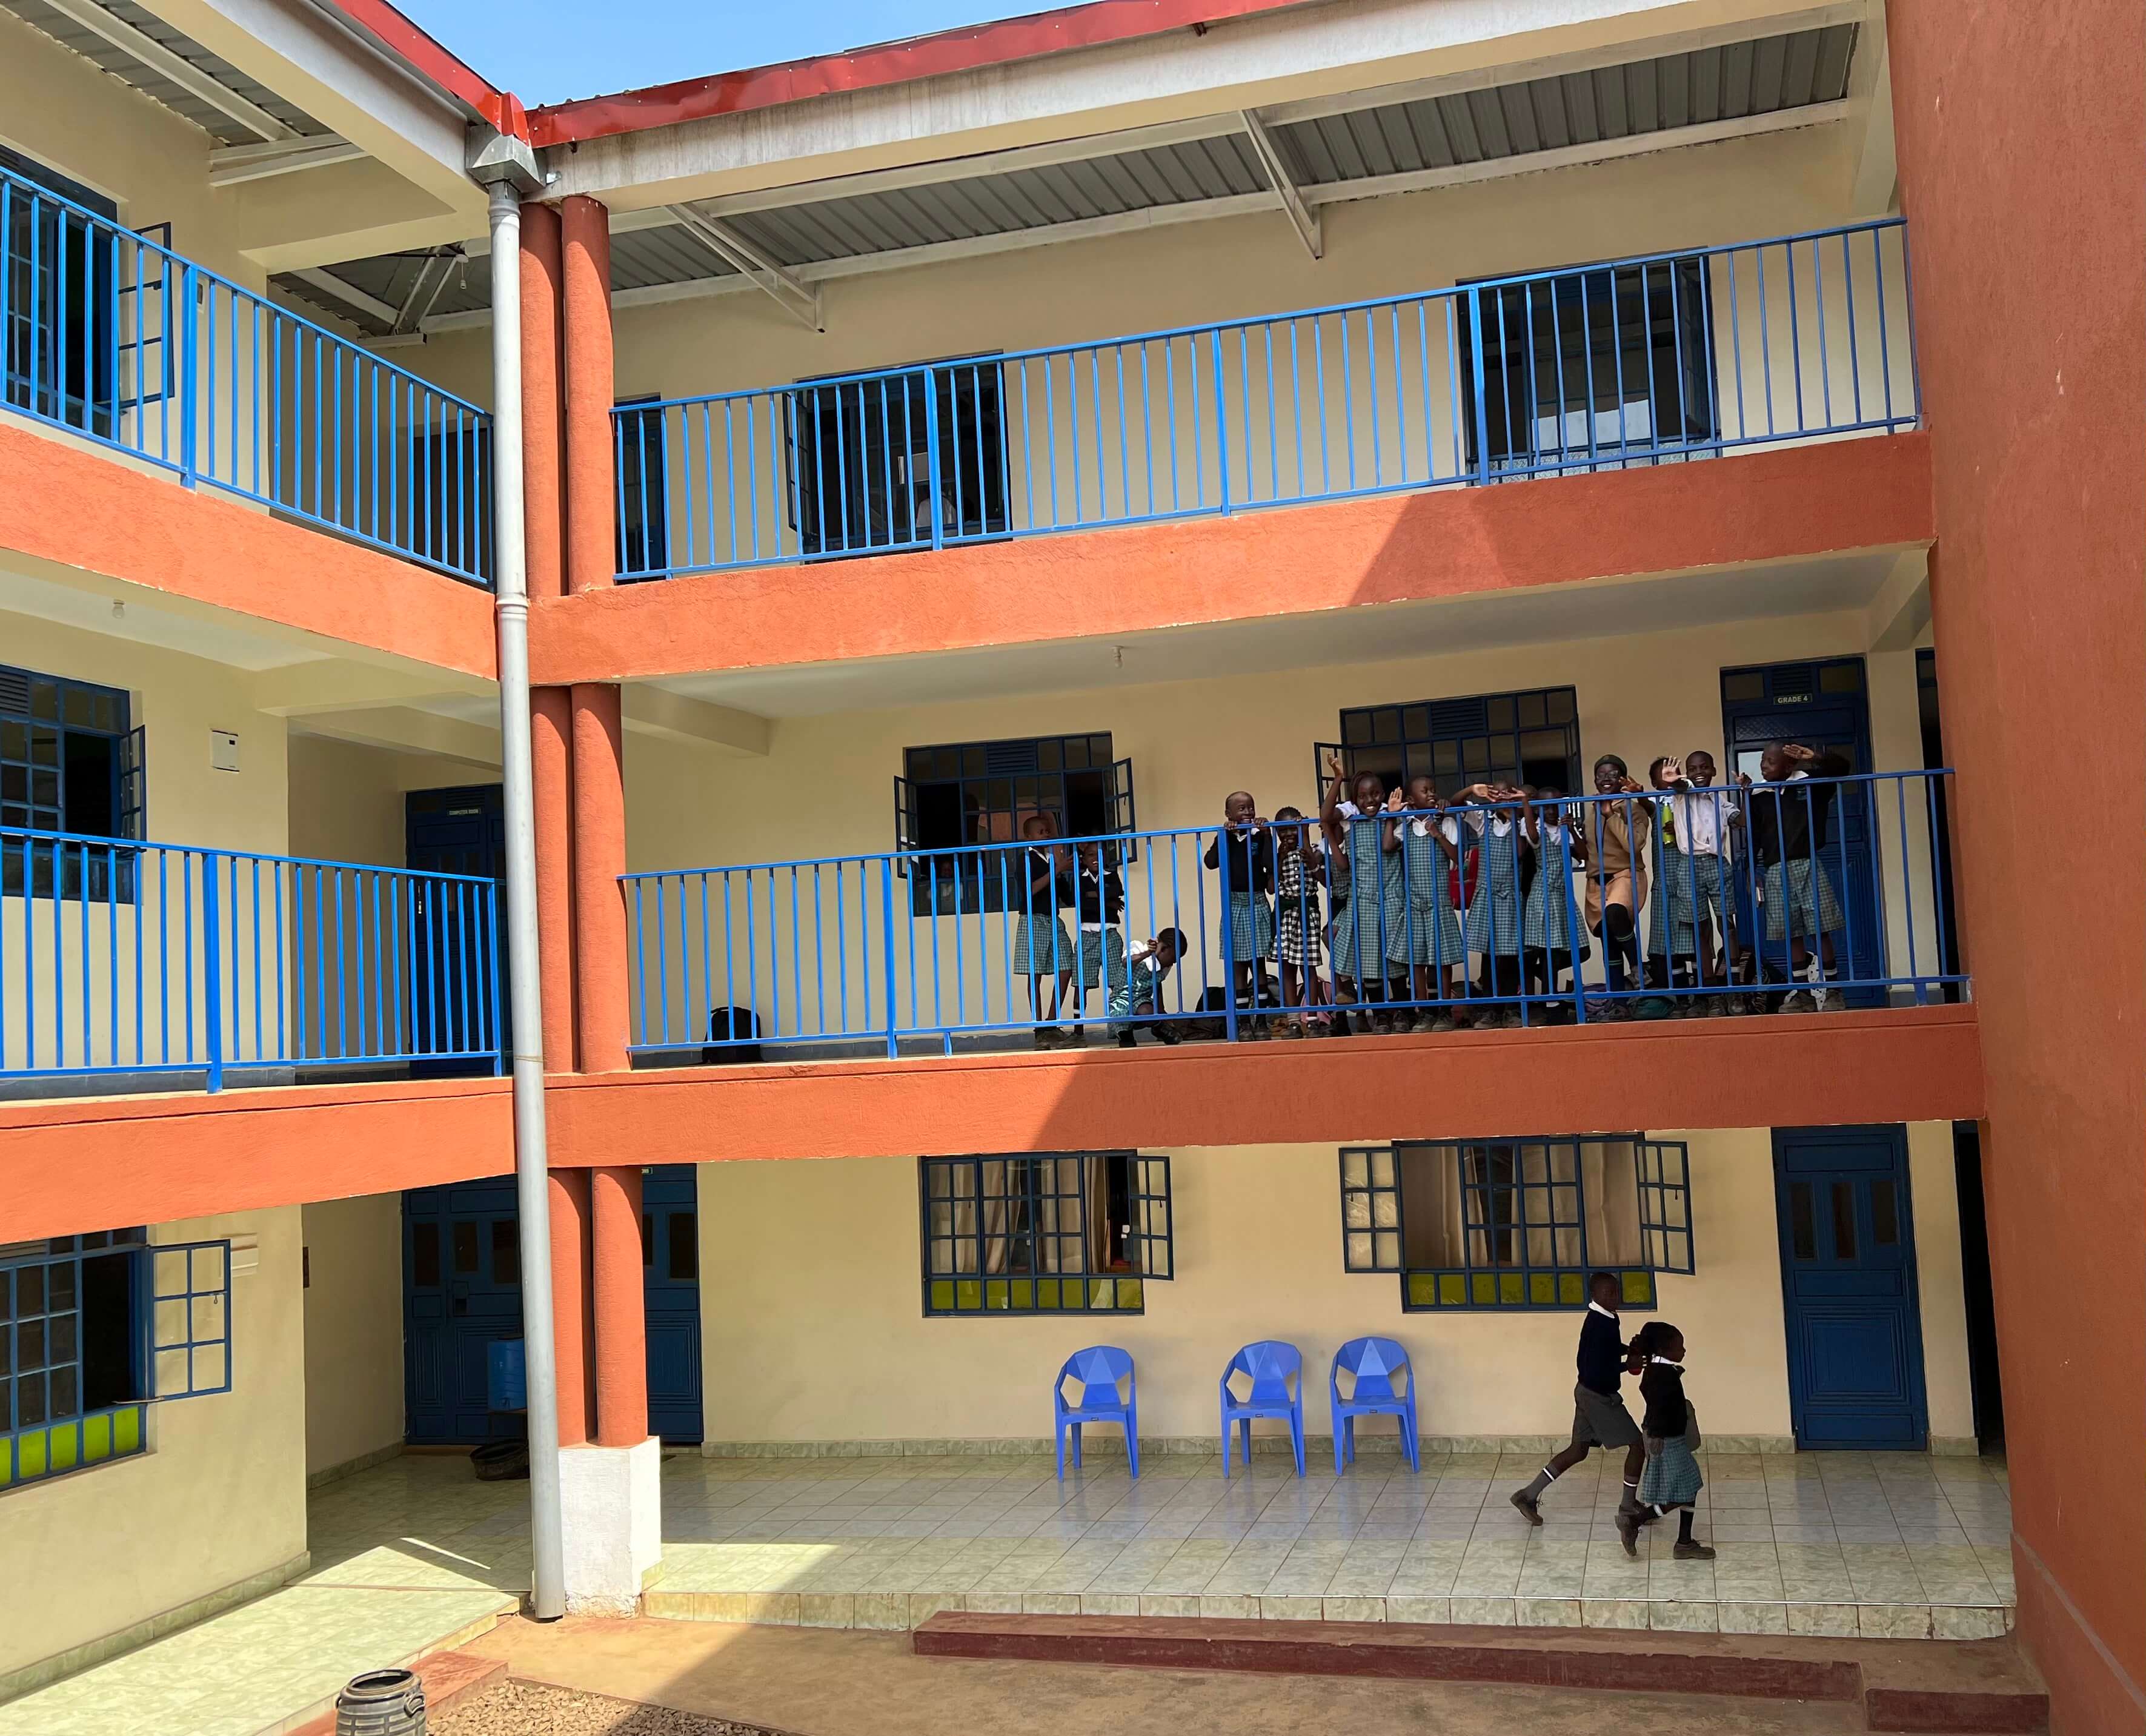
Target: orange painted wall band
591, 559
573, 1305
621, 1327
599, 805
552, 777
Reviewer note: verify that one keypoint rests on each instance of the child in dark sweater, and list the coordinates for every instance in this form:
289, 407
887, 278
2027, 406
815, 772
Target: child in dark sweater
1672, 1477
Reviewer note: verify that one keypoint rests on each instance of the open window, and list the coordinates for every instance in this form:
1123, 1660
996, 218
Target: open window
96, 1328
962, 794
1604, 365
1531, 737
1062, 1232
59, 312
861, 479
69, 763
1517, 1223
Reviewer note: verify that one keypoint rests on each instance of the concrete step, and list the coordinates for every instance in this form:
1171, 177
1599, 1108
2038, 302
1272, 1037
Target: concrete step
1955, 1687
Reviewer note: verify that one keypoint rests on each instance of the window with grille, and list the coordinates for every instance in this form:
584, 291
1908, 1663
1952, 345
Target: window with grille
58, 310
1517, 1223
969, 793
95, 1328
1064, 1232
1531, 738
861, 480
644, 480
1602, 366
69, 763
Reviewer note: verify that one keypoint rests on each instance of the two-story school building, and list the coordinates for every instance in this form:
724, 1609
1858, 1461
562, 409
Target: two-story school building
949, 471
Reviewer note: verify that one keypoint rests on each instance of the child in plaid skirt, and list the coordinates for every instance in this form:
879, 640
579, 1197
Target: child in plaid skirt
1298, 871
1672, 1478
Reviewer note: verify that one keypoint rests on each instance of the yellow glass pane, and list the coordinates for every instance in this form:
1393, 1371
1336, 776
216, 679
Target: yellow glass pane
1049, 1292
1101, 1292
1423, 1290
968, 1293
96, 1438
1024, 1294
1640, 1288
1128, 1293
1572, 1290
997, 1294
127, 1430
30, 1454
1512, 1287
1452, 1289
1484, 1287
65, 1452
1542, 1288
942, 1294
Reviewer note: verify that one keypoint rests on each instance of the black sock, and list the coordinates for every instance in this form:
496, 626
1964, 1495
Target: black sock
1683, 1526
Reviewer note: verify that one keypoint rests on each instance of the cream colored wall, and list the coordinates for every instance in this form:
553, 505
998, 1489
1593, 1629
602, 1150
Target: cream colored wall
219, 1498
814, 1329
1192, 743
347, 798
354, 1328
1934, 1189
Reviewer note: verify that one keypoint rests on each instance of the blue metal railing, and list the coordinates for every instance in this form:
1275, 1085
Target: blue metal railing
122, 957
1824, 892
1658, 359
114, 337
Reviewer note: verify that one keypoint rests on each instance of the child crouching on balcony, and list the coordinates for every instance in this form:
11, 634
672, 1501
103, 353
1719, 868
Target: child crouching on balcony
1136, 987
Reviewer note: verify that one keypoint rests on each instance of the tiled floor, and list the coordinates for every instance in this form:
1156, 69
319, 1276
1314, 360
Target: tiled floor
416, 1553
1892, 1546
408, 1558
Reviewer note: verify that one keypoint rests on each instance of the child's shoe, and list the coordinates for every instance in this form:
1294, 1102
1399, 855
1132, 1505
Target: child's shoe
1126, 1040
1167, 1033
1693, 1552
1049, 1036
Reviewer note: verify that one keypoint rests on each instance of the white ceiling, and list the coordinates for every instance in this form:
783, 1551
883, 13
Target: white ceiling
119, 611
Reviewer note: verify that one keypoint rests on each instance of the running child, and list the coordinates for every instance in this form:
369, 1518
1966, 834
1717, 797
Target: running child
1671, 1478
1598, 1417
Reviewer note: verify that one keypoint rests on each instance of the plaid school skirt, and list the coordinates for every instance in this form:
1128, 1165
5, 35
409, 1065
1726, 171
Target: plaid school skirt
1669, 866
1041, 948
1672, 1477
1359, 940
1805, 905
1548, 923
1494, 921
1248, 929
1424, 932
1702, 889
1102, 957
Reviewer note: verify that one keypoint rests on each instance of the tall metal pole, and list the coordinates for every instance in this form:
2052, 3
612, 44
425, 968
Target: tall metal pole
532, 1177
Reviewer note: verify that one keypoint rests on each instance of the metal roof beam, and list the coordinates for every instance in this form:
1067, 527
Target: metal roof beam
431, 278
793, 297
1268, 149
173, 67
349, 294
230, 165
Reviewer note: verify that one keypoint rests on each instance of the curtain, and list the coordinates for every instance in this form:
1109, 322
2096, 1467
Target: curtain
1609, 1177
979, 1227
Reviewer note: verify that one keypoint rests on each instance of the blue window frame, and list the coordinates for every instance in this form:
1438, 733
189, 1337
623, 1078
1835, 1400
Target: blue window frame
69, 763
979, 792
92, 1329
1053, 1232
1531, 737
1517, 1223
644, 482
1601, 366
57, 341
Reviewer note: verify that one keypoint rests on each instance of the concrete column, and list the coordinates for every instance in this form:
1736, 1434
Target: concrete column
572, 1306
592, 562
543, 460
622, 1328
599, 809
552, 781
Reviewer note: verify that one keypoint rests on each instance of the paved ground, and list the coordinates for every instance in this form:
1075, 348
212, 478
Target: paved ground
1879, 1545
827, 1683
529, 1709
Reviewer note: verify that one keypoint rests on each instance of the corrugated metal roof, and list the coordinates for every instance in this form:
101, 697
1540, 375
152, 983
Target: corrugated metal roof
80, 39
1658, 95
1689, 89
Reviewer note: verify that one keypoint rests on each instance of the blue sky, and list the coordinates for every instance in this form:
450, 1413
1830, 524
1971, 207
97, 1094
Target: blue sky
554, 50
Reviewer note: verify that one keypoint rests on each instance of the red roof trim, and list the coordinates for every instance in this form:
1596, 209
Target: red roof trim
381, 20
960, 50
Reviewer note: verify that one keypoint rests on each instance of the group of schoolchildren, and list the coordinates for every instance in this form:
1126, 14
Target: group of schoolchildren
1387, 896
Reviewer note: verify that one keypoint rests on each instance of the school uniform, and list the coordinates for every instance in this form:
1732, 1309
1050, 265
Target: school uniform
1788, 830
1297, 929
1360, 921
1493, 901
1423, 928
1137, 991
1041, 945
1703, 890
1549, 919
1248, 915
1672, 1478
1669, 869
1616, 865
1599, 1416
1099, 908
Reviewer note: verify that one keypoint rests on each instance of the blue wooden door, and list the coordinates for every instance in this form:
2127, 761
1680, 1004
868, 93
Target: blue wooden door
1848, 1280
671, 1253
462, 1289
461, 1273
1822, 705
460, 830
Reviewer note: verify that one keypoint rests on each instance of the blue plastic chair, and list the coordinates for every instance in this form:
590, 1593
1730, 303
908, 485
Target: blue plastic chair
1276, 1373
1383, 1385
1096, 1371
